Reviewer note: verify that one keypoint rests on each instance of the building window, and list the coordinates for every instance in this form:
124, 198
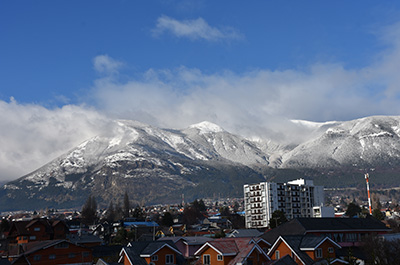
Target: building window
85, 254
219, 257
154, 258
330, 249
277, 256
206, 259
318, 253
37, 257
351, 237
36, 229
32, 238
71, 255
52, 256
169, 259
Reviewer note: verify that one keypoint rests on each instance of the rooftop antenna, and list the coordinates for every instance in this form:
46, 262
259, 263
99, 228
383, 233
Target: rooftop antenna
369, 196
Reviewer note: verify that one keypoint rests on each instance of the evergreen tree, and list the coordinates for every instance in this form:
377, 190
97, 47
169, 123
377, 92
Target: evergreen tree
138, 213
199, 205
191, 215
89, 214
119, 215
4, 226
353, 209
167, 219
378, 214
110, 214
127, 206
278, 217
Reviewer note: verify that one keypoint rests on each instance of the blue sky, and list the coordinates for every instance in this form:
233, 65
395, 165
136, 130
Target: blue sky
69, 67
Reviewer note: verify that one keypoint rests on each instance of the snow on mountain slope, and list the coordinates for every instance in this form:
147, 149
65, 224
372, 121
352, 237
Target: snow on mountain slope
335, 143
371, 140
135, 142
154, 163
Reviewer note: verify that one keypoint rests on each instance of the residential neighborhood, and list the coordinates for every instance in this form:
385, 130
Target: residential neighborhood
203, 232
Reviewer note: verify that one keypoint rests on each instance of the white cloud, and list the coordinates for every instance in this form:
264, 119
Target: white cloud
31, 135
254, 103
194, 29
104, 64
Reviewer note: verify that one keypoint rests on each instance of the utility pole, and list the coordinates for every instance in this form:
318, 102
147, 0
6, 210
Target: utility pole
369, 196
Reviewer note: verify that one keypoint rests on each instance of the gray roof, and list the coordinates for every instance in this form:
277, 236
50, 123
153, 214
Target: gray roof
301, 226
190, 240
136, 249
149, 247
342, 224
297, 242
246, 233
84, 238
286, 260
134, 257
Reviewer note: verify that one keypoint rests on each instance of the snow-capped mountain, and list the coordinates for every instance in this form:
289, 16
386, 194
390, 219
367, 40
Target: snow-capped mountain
155, 165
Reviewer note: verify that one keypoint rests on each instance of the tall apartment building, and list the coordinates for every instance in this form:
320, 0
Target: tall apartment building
295, 198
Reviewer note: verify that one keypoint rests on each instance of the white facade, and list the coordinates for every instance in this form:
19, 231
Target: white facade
323, 211
295, 198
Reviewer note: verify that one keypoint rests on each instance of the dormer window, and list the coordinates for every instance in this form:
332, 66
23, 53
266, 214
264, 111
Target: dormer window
36, 229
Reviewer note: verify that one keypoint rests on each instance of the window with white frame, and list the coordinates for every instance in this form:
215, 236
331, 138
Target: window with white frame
219, 257
169, 259
318, 253
206, 259
277, 255
154, 258
330, 250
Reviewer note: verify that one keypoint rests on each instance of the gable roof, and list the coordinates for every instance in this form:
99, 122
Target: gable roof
240, 248
147, 248
310, 242
188, 240
32, 247
286, 260
132, 256
19, 227
300, 243
223, 247
293, 242
137, 251
245, 233
245, 251
259, 239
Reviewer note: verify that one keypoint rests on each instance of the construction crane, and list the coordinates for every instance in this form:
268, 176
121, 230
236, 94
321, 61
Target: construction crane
369, 196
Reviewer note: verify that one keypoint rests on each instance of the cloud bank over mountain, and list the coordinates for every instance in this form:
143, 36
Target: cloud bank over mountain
256, 103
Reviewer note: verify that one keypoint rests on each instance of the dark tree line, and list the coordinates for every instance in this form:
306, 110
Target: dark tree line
114, 212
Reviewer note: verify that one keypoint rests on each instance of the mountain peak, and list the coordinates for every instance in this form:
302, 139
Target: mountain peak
206, 127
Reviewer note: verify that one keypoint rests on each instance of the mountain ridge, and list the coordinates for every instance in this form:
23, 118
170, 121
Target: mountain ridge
155, 164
